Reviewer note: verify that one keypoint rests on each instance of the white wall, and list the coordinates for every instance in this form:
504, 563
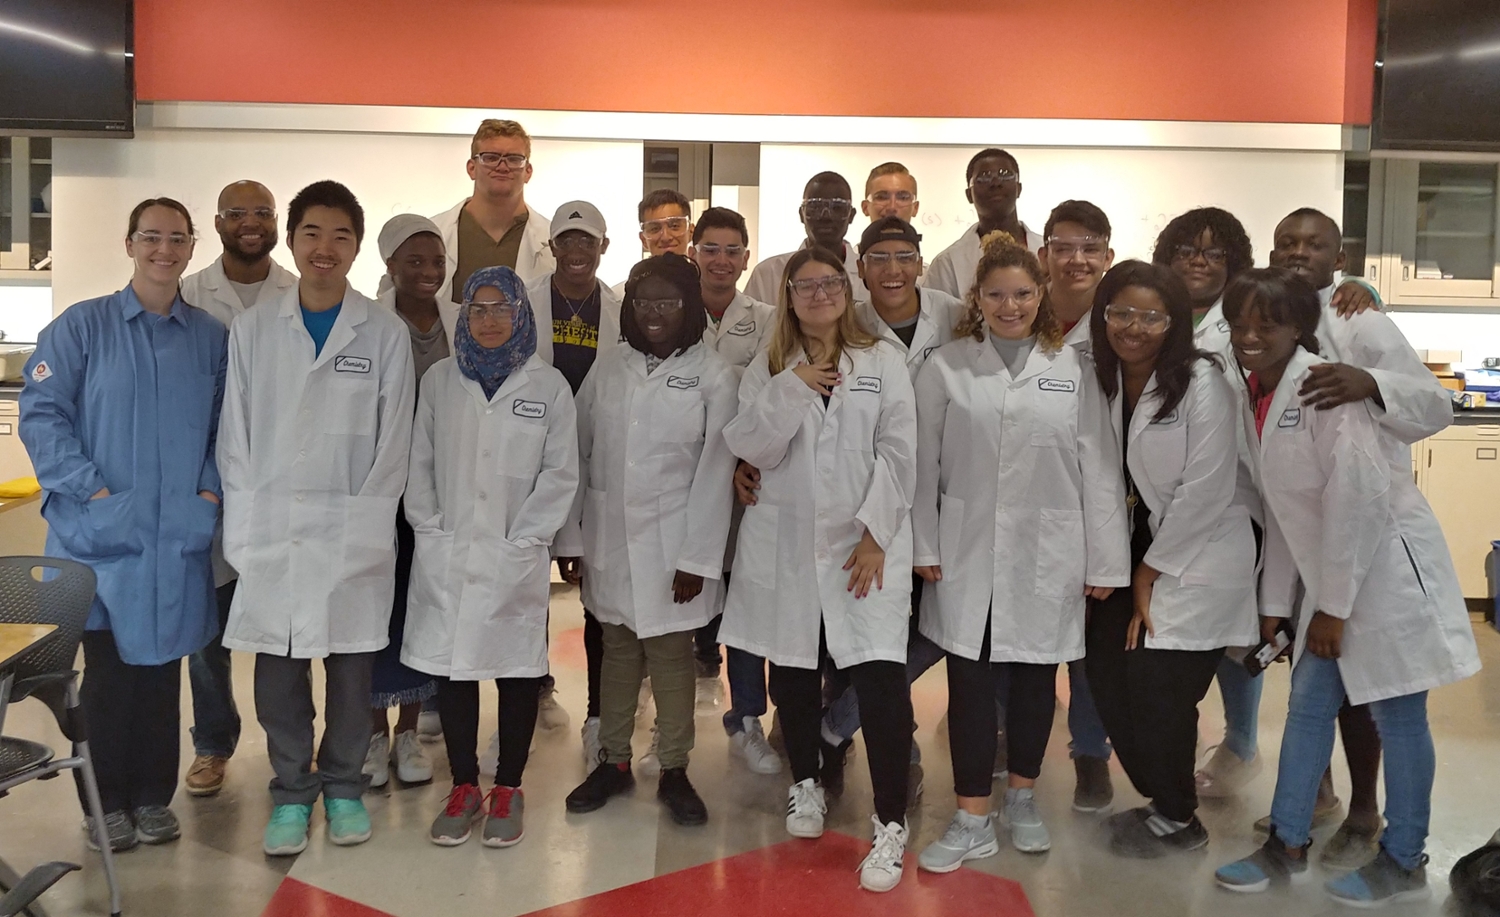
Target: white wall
96, 183
1140, 189
25, 309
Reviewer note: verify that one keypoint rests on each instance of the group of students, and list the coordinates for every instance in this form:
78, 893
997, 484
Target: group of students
1029, 456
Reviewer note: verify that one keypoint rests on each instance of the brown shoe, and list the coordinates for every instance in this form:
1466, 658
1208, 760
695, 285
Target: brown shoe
206, 776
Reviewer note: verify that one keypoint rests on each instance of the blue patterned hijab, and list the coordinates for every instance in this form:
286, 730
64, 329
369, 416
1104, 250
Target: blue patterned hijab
490, 367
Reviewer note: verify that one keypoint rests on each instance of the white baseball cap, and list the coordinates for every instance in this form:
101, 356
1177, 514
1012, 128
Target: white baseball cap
578, 215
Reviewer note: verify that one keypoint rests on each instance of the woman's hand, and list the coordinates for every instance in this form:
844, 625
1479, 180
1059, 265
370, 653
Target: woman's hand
822, 378
930, 574
1142, 583
100, 494
746, 483
868, 564
685, 587
570, 569
1098, 593
1269, 627
210, 496
1324, 634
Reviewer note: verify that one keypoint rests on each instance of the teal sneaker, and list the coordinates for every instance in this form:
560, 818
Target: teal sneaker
348, 822
1382, 881
286, 832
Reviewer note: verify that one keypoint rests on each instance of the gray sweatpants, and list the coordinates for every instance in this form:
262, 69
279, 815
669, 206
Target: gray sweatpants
284, 706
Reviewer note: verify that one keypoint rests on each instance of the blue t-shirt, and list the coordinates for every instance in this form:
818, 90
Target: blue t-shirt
318, 324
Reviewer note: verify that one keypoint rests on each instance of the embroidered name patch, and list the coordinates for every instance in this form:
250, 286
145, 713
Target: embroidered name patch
927, 352
682, 382
351, 364
1224, 325
41, 372
744, 327
1290, 417
1056, 385
523, 408
865, 384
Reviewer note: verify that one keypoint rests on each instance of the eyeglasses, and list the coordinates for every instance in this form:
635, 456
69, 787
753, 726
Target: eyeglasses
712, 250
499, 310
885, 197
1214, 255
513, 161
235, 214
814, 207
580, 242
644, 307
1093, 248
1149, 319
985, 179
654, 228
1001, 297
808, 287
174, 240
880, 259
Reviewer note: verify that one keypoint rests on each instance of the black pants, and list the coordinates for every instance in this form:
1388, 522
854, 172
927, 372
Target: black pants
706, 646
458, 708
593, 651
133, 716
884, 716
1148, 700
973, 722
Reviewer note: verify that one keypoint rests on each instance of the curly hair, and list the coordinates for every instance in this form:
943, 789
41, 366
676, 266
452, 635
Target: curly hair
1223, 227
1000, 250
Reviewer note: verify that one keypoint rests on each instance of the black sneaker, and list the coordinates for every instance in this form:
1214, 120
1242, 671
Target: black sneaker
1094, 792
1135, 839
606, 780
1125, 821
117, 827
1382, 881
156, 825
1272, 864
831, 771
681, 800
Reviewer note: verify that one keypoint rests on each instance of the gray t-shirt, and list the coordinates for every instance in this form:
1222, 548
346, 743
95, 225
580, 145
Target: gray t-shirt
247, 292
1013, 353
427, 347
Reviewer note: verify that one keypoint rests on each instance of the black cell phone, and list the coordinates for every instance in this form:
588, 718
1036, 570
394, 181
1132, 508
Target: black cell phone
1268, 651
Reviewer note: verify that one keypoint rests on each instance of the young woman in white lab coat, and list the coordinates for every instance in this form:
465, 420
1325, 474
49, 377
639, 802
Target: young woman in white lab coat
494, 469
1153, 648
654, 508
1019, 516
1383, 620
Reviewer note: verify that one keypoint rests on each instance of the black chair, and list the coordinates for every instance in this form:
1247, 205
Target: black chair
48, 590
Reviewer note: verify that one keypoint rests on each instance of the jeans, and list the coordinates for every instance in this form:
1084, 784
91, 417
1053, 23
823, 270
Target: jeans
747, 689
706, 646
1087, 730
1241, 694
1307, 746
216, 718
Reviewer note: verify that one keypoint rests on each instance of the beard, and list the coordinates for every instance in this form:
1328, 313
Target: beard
233, 248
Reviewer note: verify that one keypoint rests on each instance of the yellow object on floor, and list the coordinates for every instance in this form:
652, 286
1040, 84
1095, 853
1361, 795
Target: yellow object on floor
19, 487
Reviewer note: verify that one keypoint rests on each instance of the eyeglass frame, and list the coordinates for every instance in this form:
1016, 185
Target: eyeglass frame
582, 242
1134, 316
265, 214
1001, 176
881, 259
1018, 297
832, 206
492, 308
831, 285
1078, 243
899, 197
714, 249
1186, 253
172, 239
645, 307
505, 159
662, 226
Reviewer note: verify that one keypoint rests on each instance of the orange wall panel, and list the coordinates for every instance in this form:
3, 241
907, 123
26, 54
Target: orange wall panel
1202, 60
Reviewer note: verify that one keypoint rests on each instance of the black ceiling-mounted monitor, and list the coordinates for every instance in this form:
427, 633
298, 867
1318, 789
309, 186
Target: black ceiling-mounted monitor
67, 67
1439, 79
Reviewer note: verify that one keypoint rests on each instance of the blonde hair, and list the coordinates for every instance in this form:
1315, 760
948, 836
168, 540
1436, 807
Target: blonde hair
787, 337
890, 168
491, 128
1000, 250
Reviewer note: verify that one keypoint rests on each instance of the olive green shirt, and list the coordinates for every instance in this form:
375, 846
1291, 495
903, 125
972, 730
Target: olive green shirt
476, 249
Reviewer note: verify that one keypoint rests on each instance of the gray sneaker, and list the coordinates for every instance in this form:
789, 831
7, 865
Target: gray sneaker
1027, 832
503, 809
118, 827
454, 824
969, 837
156, 825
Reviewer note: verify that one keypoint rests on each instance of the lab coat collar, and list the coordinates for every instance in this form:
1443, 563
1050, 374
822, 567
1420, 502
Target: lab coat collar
636, 360
216, 280
352, 313
1080, 335
987, 360
130, 306
1286, 397
512, 382
737, 311
1145, 409
925, 332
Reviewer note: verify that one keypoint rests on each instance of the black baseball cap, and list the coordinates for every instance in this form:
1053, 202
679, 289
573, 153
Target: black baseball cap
889, 229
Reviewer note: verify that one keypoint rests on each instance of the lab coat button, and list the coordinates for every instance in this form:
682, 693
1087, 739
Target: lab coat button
302, 454
299, 498
483, 495
485, 453
296, 541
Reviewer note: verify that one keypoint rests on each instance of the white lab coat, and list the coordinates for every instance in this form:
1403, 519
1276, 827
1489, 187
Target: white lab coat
1020, 499
657, 487
765, 283
828, 474
1365, 543
938, 314
743, 331
533, 260
210, 291
313, 452
491, 482
539, 291
1185, 469
952, 271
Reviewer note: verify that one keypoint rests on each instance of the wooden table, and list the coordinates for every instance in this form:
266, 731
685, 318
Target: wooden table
16, 639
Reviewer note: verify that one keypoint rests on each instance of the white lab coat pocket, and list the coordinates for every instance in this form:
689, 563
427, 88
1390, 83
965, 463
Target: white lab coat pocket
524, 592
1060, 560
1295, 461
677, 416
950, 533
429, 598
595, 535
1164, 453
857, 420
369, 537
521, 447
1228, 558
755, 555
351, 405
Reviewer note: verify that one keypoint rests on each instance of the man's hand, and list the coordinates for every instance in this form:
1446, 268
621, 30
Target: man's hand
100, 494
746, 483
1325, 633
570, 569
685, 587
210, 496
1352, 298
1329, 385
930, 574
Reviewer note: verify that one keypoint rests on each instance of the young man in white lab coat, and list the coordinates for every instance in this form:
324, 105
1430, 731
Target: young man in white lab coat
993, 185
313, 450
890, 191
242, 276
666, 217
826, 212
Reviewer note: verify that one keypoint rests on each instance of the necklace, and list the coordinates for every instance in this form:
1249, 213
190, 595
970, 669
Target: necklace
575, 309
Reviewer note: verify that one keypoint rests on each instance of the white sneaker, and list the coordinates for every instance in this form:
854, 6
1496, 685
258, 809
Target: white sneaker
593, 751
410, 760
429, 726
549, 713
751, 745
490, 760
881, 870
708, 696
650, 763
377, 760
805, 807
1027, 832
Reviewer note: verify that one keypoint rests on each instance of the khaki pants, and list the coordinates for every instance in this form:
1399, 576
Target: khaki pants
668, 659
